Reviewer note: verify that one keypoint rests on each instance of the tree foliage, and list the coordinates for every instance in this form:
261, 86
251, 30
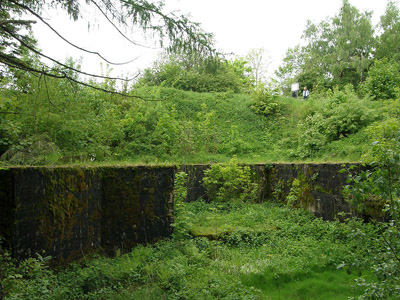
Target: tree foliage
389, 41
338, 51
258, 62
383, 80
198, 74
174, 32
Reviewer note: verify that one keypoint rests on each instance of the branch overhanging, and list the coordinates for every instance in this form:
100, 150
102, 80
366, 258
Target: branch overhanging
18, 64
66, 40
116, 27
182, 34
61, 64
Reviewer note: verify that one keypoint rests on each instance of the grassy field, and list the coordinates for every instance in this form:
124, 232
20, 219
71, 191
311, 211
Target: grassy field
225, 251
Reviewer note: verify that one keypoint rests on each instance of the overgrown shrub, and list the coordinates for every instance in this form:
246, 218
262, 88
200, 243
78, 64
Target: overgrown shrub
230, 182
181, 218
197, 75
35, 150
378, 187
383, 81
265, 101
342, 115
28, 279
313, 135
300, 192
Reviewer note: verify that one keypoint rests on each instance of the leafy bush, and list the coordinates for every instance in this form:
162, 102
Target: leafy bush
383, 81
342, 115
230, 182
378, 187
36, 150
28, 279
313, 135
181, 217
300, 193
197, 75
9, 127
265, 101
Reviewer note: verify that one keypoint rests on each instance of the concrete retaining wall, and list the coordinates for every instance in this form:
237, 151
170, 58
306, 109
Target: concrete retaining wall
70, 212
321, 185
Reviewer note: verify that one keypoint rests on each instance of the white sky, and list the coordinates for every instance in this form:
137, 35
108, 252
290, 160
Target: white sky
238, 26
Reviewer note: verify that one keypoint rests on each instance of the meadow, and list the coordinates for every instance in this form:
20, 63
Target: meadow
225, 251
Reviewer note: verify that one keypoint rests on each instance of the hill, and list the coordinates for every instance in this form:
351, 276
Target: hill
189, 127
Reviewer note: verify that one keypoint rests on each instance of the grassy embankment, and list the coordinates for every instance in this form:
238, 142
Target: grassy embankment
189, 127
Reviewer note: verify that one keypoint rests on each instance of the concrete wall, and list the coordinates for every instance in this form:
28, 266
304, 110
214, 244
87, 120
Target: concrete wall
70, 212
321, 185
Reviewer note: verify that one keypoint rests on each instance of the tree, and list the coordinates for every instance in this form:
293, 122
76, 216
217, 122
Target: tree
354, 43
174, 32
258, 62
389, 41
339, 50
290, 68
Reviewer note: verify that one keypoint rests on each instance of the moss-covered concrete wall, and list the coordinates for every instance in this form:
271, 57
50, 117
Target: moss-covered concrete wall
137, 206
195, 188
320, 188
69, 212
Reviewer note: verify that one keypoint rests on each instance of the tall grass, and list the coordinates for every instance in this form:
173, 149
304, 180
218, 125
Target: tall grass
234, 251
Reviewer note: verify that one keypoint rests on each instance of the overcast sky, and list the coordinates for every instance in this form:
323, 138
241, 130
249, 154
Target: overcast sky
238, 26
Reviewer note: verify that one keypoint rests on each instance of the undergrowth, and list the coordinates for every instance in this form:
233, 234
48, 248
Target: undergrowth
189, 127
232, 251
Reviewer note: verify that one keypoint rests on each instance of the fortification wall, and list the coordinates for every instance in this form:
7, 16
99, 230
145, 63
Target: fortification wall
68, 212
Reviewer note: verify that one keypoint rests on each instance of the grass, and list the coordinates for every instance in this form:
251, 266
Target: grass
232, 251
325, 283
189, 127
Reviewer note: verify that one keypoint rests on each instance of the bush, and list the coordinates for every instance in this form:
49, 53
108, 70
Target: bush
35, 150
230, 182
203, 75
265, 101
383, 80
343, 114
377, 191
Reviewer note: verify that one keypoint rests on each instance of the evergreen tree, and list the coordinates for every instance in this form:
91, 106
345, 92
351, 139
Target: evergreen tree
174, 32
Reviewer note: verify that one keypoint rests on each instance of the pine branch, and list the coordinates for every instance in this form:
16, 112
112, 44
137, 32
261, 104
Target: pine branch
175, 26
18, 22
59, 63
66, 40
116, 27
18, 64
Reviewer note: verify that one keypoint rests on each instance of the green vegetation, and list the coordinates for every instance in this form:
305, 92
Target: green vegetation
185, 127
194, 105
341, 49
197, 107
237, 249
234, 251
